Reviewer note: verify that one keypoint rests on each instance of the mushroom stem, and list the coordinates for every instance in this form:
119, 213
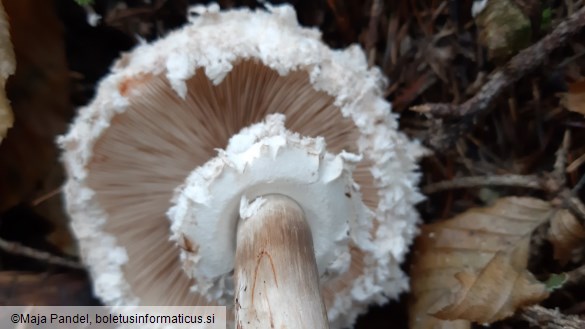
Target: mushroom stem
277, 282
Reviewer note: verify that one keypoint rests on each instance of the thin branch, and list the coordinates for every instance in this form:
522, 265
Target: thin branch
550, 185
550, 319
526, 181
576, 276
21, 250
579, 185
372, 35
572, 202
559, 168
576, 163
47, 196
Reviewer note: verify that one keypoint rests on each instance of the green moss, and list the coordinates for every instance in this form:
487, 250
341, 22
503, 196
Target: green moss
556, 281
546, 19
503, 29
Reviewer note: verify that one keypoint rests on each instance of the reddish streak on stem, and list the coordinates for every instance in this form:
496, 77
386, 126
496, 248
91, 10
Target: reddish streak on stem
260, 256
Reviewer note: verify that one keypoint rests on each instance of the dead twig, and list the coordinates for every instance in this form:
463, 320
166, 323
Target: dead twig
553, 182
21, 250
526, 181
559, 179
576, 276
559, 168
576, 163
545, 318
372, 35
566, 197
47, 196
572, 202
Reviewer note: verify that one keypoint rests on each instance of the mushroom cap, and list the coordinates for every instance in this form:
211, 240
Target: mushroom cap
168, 106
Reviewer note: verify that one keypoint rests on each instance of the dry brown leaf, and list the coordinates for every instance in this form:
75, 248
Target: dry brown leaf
7, 68
574, 100
566, 234
490, 294
473, 266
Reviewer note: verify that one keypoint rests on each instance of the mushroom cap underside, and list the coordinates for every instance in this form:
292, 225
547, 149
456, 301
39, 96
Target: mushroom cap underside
162, 113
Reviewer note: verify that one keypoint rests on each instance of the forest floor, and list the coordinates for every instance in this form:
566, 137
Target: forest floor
503, 116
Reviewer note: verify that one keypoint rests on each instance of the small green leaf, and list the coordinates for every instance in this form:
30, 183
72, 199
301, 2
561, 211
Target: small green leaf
546, 19
556, 281
84, 2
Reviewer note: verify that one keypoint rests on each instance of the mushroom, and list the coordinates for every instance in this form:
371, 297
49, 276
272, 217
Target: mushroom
240, 161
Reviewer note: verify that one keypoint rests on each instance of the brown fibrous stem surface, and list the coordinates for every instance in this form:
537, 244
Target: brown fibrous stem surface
276, 276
